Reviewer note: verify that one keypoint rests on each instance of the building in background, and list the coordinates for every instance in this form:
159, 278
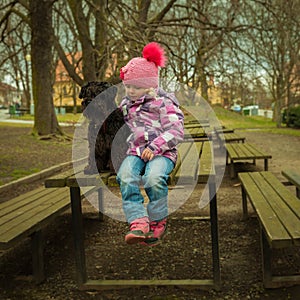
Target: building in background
9, 95
65, 90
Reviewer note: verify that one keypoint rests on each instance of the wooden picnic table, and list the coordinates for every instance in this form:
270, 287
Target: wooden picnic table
278, 213
201, 169
245, 151
294, 178
230, 137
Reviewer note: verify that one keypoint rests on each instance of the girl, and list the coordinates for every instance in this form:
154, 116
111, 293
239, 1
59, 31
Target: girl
156, 123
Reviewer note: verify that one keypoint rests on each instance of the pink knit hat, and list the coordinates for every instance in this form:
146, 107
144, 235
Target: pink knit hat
143, 71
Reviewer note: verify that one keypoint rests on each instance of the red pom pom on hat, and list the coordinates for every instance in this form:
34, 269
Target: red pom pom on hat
153, 52
122, 74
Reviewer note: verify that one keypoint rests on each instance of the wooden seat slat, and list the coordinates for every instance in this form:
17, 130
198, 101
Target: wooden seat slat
258, 153
187, 166
294, 178
17, 216
15, 229
60, 180
17, 201
206, 165
194, 132
231, 137
276, 233
183, 150
278, 211
245, 151
27, 202
88, 180
32, 225
27, 212
290, 200
285, 216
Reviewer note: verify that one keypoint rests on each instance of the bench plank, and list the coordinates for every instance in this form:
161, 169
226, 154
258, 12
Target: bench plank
183, 149
23, 221
60, 180
206, 164
231, 137
278, 212
294, 178
88, 180
27, 202
194, 132
18, 201
289, 221
244, 151
292, 203
276, 233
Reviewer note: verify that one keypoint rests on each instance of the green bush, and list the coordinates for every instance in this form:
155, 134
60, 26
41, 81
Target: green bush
291, 117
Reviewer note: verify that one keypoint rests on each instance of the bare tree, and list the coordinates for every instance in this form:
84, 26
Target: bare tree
45, 121
38, 16
15, 47
273, 44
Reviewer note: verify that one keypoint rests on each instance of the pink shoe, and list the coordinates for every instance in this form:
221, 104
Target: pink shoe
159, 229
139, 231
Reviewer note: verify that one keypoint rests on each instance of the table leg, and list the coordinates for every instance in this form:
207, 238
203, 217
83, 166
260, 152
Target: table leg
78, 234
266, 164
266, 259
37, 244
214, 234
100, 203
244, 201
232, 171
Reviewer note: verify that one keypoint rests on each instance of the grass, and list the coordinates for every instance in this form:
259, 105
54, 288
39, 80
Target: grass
235, 120
18, 173
227, 118
66, 118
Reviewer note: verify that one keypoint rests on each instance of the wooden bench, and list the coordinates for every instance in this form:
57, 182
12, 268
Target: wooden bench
14, 111
196, 122
223, 130
26, 215
245, 151
230, 137
294, 178
278, 213
195, 133
197, 171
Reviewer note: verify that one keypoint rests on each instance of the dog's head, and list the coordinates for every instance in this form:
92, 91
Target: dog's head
99, 96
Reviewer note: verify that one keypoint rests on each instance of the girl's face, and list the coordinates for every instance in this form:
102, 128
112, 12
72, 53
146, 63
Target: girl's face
134, 92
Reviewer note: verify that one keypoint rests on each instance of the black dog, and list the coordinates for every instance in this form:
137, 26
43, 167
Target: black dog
105, 122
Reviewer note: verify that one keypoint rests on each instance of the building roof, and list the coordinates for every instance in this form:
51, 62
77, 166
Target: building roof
61, 73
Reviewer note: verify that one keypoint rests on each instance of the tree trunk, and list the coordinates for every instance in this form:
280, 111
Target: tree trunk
280, 92
45, 121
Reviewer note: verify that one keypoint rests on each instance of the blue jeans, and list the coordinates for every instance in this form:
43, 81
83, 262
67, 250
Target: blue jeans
153, 175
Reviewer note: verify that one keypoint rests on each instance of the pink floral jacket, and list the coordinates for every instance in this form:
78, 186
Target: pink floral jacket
155, 123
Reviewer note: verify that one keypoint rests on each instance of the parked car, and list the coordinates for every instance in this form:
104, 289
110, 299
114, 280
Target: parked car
236, 108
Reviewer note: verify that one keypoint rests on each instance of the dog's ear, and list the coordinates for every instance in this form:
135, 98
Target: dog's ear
82, 93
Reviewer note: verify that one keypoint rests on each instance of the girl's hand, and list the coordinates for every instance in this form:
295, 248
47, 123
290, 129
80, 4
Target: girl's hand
147, 154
